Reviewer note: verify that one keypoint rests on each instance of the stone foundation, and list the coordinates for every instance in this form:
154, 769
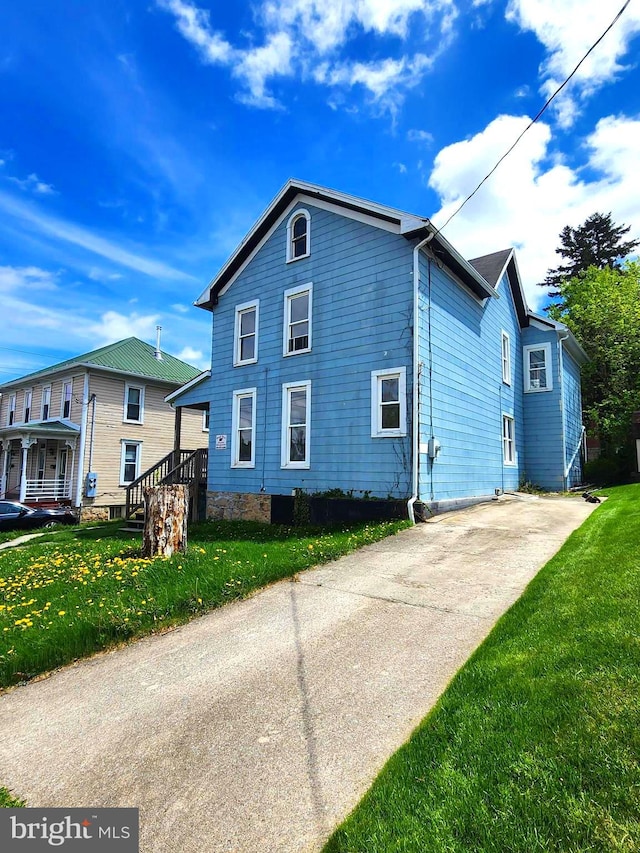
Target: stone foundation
234, 506
94, 513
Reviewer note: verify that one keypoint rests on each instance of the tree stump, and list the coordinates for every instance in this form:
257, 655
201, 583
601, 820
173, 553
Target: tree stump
165, 521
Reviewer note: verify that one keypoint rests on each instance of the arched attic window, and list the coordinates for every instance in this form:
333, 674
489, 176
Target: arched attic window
298, 235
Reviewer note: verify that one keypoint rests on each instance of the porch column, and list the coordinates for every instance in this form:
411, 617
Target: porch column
177, 428
25, 444
71, 444
4, 479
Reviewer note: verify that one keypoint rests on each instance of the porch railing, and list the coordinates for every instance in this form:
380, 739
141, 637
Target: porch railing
178, 466
55, 489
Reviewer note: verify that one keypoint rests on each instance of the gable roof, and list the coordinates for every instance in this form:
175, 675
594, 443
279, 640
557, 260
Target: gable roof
491, 267
130, 356
406, 224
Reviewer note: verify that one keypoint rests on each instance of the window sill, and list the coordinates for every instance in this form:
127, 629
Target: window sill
296, 352
389, 434
299, 258
243, 465
126, 421
537, 390
296, 466
242, 363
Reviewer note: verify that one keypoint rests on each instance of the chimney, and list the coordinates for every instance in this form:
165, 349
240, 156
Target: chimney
157, 354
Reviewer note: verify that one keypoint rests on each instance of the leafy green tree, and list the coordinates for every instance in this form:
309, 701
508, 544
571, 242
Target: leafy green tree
597, 242
602, 309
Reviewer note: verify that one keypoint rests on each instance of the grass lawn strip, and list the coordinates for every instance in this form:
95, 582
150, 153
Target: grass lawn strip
535, 744
76, 591
8, 801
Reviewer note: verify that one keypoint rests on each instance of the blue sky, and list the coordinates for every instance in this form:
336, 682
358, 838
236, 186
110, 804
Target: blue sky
141, 139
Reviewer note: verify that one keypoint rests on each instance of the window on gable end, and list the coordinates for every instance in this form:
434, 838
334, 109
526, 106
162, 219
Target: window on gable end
296, 421
297, 320
246, 334
298, 235
388, 403
506, 359
508, 440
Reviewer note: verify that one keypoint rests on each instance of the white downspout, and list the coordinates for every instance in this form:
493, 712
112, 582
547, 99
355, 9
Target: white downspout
562, 338
83, 439
415, 463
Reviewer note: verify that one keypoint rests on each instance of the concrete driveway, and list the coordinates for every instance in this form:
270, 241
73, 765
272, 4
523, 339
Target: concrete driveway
259, 726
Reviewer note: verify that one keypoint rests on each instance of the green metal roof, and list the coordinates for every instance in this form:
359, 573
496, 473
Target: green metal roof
131, 356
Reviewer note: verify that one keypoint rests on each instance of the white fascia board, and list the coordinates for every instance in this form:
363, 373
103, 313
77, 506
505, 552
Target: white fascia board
473, 272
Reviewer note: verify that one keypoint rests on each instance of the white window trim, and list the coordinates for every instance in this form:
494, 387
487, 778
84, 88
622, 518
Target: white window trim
13, 399
24, 407
141, 388
288, 294
246, 306
205, 428
123, 446
42, 404
300, 211
509, 463
66, 382
235, 444
376, 410
506, 363
548, 366
287, 387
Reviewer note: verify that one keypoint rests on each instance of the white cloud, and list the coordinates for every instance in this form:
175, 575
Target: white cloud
193, 356
98, 274
530, 198
70, 233
114, 326
26, 279
401, 168
567, 30
32, 183
421, 136
304, 37
181, 309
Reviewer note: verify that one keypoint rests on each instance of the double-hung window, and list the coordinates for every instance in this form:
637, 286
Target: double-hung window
297, 319
28, 396
508, 440
243, 429
298, 235
11, 414
246, 334
67, 390
46, 402
134, 404
506, 359
388, 402
131, 453
537, 368
296, 418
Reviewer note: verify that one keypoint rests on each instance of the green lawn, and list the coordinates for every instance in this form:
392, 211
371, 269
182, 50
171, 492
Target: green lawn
535, 745
78, 590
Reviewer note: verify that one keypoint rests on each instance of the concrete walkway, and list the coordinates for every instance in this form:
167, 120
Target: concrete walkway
259, 726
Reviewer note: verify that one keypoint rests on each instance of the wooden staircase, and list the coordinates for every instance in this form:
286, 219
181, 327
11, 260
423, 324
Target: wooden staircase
187, 467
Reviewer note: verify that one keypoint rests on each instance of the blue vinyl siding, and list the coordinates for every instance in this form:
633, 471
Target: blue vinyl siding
543, 422
572, 409
361, 321
468, 394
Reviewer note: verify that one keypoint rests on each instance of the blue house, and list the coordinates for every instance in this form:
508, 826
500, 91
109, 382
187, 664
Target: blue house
354, 348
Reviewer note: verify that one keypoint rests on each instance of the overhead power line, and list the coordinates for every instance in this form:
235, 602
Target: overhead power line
535, 119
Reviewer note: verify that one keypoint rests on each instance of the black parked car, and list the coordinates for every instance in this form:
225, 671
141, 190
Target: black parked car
17, 516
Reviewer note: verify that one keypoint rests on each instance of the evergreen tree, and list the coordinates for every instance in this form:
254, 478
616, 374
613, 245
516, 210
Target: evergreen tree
596, 243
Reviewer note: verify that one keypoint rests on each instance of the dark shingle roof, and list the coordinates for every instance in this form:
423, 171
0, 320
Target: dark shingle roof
131, 356
490, 266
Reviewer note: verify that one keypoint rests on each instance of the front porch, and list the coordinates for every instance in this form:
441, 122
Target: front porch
39, 463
